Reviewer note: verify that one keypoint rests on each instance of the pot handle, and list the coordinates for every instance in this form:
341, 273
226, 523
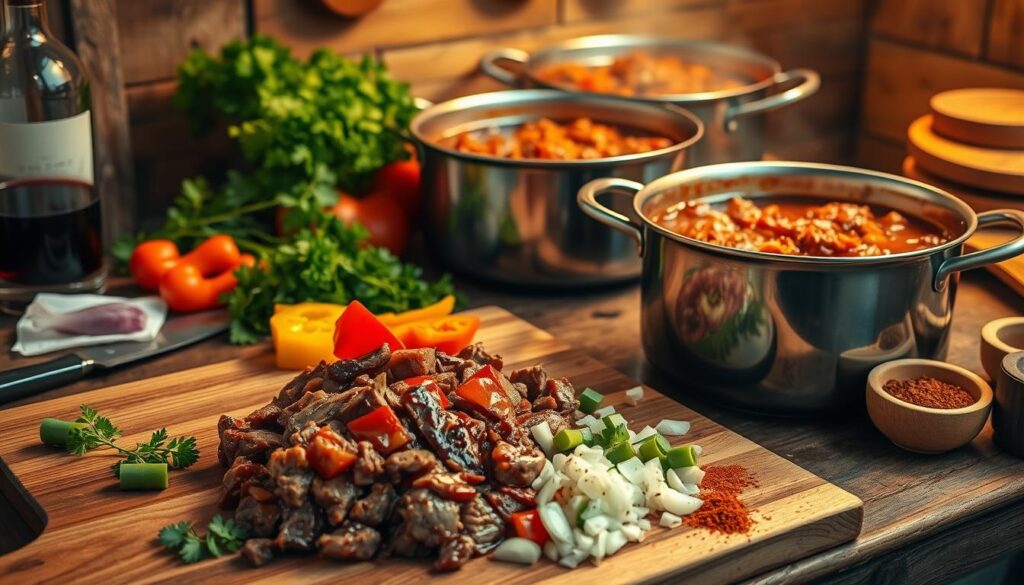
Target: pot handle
809, 79
993, 255
586, 198
489, 64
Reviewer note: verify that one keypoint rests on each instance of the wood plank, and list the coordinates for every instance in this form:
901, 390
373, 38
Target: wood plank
760, 15
1006, 33
797, 512
880, 154
576, 10
306, 26
157, 35
901, 80
951, 25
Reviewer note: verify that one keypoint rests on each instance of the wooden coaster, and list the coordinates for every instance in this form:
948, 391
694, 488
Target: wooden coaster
987, 117
978, 200
975, 166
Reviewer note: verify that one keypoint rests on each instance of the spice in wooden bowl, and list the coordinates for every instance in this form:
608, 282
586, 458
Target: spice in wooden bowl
929, 392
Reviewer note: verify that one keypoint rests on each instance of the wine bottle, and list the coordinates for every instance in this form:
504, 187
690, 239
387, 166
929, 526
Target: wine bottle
45, 123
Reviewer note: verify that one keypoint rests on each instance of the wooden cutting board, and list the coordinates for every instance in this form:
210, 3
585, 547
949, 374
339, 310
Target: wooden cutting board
989, 117
992, 169
97, 533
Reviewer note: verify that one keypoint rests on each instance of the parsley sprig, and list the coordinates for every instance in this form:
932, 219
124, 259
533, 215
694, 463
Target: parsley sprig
222, 537
99, 432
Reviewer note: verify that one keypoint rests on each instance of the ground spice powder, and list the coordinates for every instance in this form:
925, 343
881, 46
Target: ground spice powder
722, 510
929, 392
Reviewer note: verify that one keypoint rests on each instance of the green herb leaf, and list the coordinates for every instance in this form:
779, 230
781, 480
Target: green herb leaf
173, 535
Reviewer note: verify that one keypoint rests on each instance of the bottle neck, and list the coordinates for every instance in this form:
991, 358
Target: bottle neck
25, 16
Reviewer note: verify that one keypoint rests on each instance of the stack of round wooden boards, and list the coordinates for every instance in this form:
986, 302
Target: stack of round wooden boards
972, 145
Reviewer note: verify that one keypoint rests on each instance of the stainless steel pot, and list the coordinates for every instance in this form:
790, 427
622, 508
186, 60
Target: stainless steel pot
733, 126
516, 221
794, 334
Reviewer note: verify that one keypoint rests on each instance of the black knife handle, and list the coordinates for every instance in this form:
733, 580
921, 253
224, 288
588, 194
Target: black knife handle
29, 380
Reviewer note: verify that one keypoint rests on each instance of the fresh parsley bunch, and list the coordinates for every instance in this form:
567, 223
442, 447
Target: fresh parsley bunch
100, 432
222, 537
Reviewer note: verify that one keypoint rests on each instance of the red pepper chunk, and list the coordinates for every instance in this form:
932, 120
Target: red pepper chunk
381, 428
417, 381
486, 390
358, 332
527, 525
327, 454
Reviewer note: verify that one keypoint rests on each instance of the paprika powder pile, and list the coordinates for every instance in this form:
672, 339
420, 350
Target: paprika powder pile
722, 510
929, 392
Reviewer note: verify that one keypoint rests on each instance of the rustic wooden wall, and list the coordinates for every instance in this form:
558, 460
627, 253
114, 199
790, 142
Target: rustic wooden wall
435, 45
919, 47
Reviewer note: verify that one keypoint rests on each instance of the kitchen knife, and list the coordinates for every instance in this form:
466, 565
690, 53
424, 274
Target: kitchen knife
177, 332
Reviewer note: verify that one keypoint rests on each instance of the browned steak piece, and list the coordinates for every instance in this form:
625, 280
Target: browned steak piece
515, 465
350, 542
478, 354
455, 553
299, 528
291, 474
375, 507
252, 444
404, 466
318, 411
565, 396
343, 372
447, 363
427, 518
504, 504
241, 471
481, 523
369, 465
534, 378
406, 363
555, 420
264, 418
450, 486
258, 551
545, 403
443, 430
310, 380
362, 400
335, 496
258, 518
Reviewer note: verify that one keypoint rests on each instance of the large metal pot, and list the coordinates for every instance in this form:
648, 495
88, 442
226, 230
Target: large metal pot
794, 334
733, 126
516, 221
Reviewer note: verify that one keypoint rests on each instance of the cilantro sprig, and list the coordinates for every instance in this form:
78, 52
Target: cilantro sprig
222, 537
99, 432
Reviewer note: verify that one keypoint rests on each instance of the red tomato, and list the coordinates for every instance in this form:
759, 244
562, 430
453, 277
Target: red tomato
381, 215
401, 180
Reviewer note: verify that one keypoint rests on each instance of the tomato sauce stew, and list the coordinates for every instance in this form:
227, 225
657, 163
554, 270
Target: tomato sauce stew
546, 139
800, 228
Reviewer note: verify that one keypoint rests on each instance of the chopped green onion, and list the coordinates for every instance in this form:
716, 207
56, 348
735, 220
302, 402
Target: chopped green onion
620, 452
663, 443
650, 449
567, 439
588, 436
681, 457
613, 436
143, 476
590, 400
614, 420
53, 431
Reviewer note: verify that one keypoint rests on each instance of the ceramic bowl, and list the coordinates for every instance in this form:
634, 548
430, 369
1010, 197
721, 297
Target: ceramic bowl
922, 429
999, 338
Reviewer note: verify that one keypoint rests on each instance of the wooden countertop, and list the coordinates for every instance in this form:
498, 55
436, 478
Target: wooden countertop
925, 517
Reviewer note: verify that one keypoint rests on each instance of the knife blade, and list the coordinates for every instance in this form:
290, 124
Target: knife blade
177, 332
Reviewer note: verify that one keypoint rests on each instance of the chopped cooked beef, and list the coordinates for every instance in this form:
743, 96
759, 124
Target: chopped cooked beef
445, 363
310, 380
264, 418
252, 444
481, 523
478, 354
504, 504
565, 396
450, 486
350, 542
526, 496
292, 475
517, 466
455, 553
375, 507
406, 363
363, 400
545, 403
404, 466
369, 465
241, 471
534, 378
427, 518
258, 551
443, 430
317, 411
341, 373
258, 519
303, 401
335, 496
299, 528
304, 435
555, 420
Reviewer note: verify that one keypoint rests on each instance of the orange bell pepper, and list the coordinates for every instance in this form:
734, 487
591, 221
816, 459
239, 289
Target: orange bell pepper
439, 309
528, 525
381, 428
449, 334
186, 287
357, 333
327, 455
303, 334
152, 259
485, 389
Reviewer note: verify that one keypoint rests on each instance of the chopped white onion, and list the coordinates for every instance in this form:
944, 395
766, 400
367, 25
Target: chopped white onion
632, 532
697, 450
644, 524
583, 541
692, 474
546, 492
616, 540
671, 428
542, 434
578, 414
600, 545
677, 503
604, 411
633, 470
517, 550
634, 395
596, 525
573, 559
551, 551
643, 435
670, 520
545, 473
554, 521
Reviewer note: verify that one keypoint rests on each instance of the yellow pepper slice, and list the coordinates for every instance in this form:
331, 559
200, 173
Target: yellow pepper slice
439, 309
303, 334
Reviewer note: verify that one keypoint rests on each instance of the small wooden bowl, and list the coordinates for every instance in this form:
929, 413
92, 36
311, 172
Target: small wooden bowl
921, 429
999, 338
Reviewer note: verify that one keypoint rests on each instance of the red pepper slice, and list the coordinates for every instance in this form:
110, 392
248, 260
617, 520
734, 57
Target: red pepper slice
417, 381
327, 455
357, 332
381, 428
486, 390
527, 525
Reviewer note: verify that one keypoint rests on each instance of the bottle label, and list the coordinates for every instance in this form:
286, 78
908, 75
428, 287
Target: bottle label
55, 148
